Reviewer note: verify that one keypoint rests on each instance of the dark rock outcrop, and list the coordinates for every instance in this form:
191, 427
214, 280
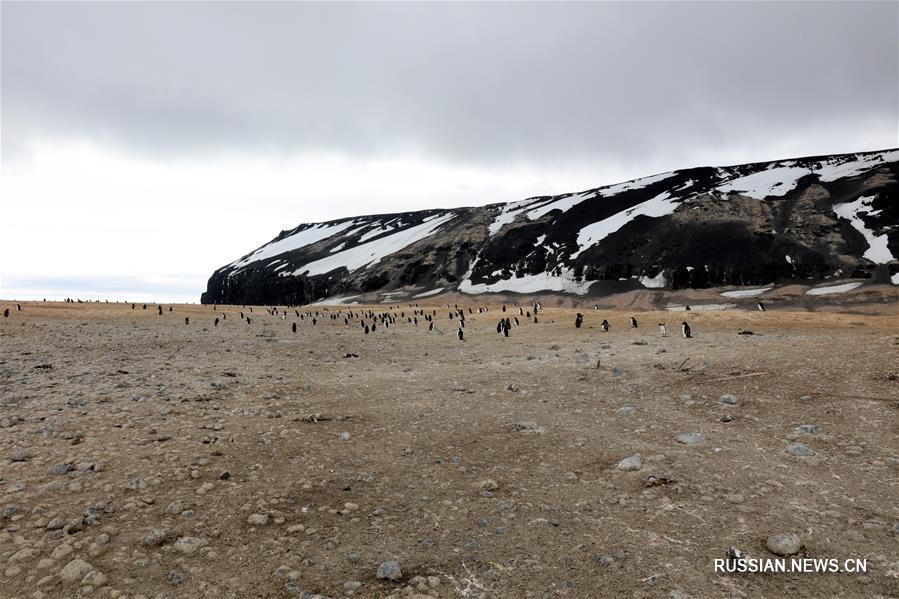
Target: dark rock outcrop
805, 219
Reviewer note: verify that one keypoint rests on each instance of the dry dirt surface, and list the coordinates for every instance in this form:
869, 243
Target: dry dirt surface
144, 457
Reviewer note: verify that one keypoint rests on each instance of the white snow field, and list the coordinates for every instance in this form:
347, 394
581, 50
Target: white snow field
367, 254
564, 282
746, 292
776, 181
877, 251
833, 289
299, 239
661, 205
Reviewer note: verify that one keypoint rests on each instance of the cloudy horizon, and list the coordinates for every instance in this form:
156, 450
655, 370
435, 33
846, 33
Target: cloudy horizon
144, 145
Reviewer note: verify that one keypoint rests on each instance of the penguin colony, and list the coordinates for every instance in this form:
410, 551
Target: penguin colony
369, 321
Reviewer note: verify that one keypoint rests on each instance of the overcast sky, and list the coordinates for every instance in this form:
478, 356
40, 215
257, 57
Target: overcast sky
146, 144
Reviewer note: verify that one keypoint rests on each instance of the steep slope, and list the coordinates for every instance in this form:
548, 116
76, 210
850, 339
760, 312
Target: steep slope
804, 219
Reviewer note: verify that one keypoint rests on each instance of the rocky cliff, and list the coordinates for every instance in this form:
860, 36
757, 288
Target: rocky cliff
806, 219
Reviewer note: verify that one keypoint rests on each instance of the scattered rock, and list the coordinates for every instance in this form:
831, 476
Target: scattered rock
690, 438
799, 449
74, 571
390, 570
188, 545
631, 464
728, 399
807, 429
258, 519
784, 543
95, 578
156, 536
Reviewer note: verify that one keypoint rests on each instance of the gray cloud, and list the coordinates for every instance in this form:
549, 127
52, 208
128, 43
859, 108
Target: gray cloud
665, 84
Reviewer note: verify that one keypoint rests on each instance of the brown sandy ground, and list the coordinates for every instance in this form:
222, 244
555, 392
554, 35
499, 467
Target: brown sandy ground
158, 459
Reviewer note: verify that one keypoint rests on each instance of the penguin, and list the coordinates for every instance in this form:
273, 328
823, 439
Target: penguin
373, 327
18, 307
293, 327
499, 327
505, 331
687, 308
685, 329
761, 306
605, 325
504, 308
170, 308
578, 320
216, 322
241, 315
160, 310
186, 320
460, 334
663, 329
520, 311
132, 306
535, 319
431, 326
516, 322
145, 306
366, 329
6, 313
314, 321
633, 322
248, 320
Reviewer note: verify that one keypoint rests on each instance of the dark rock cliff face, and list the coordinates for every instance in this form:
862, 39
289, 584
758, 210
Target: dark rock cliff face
804, 219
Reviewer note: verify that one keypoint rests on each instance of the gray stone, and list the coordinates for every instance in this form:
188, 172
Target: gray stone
74, 571
95, 578
807, 429
625, 409
156, 536
728, 399
631, 464
59, 469
258, 519
526, 425
175, 507
175, 578
784, 543
799, 449
390, 570
188, 545
690, 438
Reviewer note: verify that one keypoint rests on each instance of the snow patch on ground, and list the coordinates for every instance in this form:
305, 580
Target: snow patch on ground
299, 239
831, 171
509, 213
877, 251
746, 292
661, 205
895, 279
773, 181
379, 231
833, 289
367, 254
564, 282
566, 203
657, 282
429, 293
337, 300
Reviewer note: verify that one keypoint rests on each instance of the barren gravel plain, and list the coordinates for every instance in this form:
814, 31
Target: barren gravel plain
144, 457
